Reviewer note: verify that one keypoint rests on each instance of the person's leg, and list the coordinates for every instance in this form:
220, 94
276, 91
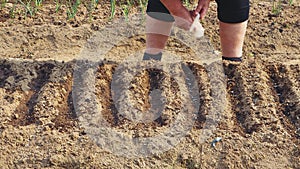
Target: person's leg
158, 26
157, 34
232, 39
233, 16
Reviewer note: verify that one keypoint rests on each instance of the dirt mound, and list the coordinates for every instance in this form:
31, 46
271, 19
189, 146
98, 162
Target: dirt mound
40, 126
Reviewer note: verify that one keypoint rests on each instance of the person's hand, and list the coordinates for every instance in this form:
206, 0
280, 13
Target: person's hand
202, 8
183, 17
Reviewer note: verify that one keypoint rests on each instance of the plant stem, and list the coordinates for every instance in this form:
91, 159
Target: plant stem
112, 8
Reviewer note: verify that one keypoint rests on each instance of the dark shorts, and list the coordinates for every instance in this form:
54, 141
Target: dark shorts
229, 11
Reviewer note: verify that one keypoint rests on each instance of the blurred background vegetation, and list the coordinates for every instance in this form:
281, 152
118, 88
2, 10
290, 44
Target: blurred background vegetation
29, 8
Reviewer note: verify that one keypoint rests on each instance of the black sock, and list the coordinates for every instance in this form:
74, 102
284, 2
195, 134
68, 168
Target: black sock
148, 56
232, 59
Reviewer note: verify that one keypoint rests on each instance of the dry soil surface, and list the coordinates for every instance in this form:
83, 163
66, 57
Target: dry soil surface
41, 122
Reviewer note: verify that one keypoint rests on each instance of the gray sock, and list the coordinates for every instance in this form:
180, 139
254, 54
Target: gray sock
232, 59
148, 56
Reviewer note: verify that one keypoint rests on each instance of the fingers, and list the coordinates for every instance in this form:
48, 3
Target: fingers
182, 23
194, 13
203, 13
184, 19
202, 8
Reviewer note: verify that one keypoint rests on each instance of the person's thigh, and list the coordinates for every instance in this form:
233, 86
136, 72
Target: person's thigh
157, 10
233, 11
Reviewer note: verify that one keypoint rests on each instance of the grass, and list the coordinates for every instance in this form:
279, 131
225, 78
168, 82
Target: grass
187, 4
3, 3
91, 6
277, 7
12, 11
142, 4
57, 5
112, 8
127, 7
31, 7
125, 11
38, 3
72, 8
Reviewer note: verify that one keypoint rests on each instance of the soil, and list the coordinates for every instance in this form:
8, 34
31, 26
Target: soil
40, 126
